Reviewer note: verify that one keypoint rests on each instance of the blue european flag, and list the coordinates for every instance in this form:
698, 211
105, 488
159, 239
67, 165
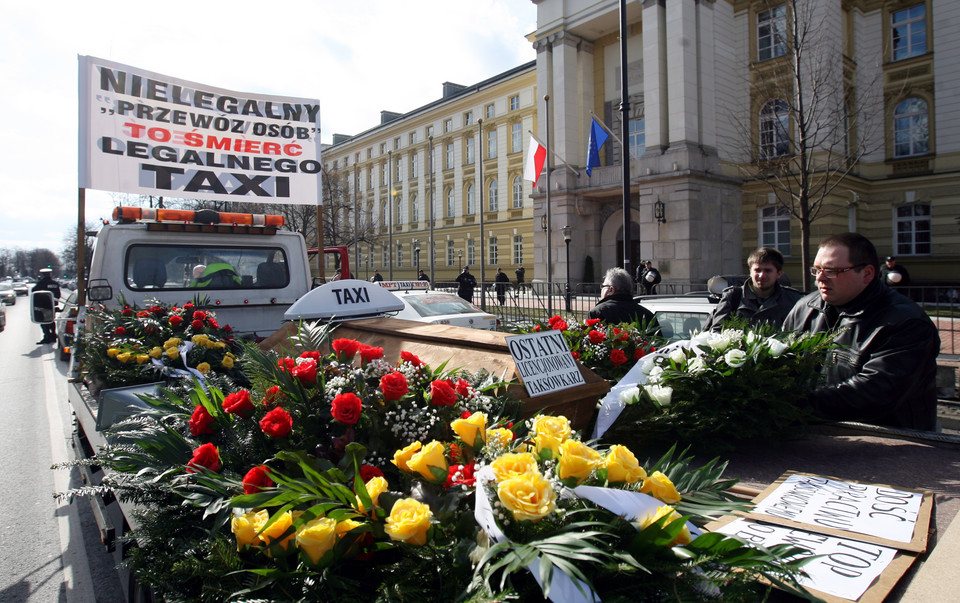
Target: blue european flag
598, 136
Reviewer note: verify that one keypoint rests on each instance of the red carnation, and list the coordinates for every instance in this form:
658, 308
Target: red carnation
639, 353
205, 456
143, 314
119, 331
287, 364
188, 306
272, 395
306, 372
442, 394
461, 475
576, 355
590, 322
411, 358
213, 323
617, 357
201, 421
314, 355
277, 423
596, 337
199, 315
256, 479
238, 403
463, 388
369, 352
175, 320
345, 349
197, 325
127, 311
560, 325
394, 386
158, 310
368, 472
346, 408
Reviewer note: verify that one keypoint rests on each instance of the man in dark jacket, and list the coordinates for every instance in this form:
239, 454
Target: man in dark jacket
501, 282
616, 303
648, 277
894, 275
465, 284
46, 283
884, 371
759, 300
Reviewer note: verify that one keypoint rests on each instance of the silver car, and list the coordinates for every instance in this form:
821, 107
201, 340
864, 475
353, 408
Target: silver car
7, 294
679, 316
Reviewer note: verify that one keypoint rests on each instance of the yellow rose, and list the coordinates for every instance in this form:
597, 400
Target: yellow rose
401, 457
499, 437
275, 531
155, 352
682, 538
622, 465
347, 525
409, 521
112, 352
375, 487
660, 487
219, 345
316, 537
173, 342
513, 464
123, 357
245, 527
551, 432
141, 358
173, 353
204, 367
430, 456
227, 362
471, 428
577, 460
530, 497
200, 340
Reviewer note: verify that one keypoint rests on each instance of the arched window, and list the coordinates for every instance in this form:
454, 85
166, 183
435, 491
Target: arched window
383, 214
471, 201
493, 202
398, 210
414, 209
517, 192
450, 203
911, 135
774, 129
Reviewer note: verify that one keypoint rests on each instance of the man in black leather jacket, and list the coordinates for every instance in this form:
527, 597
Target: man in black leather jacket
885, 370
616, 303
762, 299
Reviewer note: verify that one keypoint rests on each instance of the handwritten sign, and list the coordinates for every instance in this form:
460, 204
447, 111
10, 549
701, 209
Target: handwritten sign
869, 509
846, 568
544, 362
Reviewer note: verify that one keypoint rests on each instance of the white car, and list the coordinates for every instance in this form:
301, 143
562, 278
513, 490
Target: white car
679, 315
438, 307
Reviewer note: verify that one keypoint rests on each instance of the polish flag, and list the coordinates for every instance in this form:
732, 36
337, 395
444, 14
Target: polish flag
536, 157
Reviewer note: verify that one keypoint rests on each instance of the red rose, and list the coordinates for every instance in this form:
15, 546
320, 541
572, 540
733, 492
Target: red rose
442, 394
188, 306
617, 357
119, 331
596, 337
197, 325
256, 479
142, 314
199, 315
394, 386
127, 311
590, 322
306, 372
175, 320
465, 414
277, 423
345, 349
315, 355
205, 456
213, 323
272, 395
639, 353
576, 355
463, 388
287, 364
369, 352
238, 403
560, 325
412, 359
346, 408
368, 472
201, 421
157, 310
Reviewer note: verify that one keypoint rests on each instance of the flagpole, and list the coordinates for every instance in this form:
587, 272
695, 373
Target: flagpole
483, 294
625, 126
546, 102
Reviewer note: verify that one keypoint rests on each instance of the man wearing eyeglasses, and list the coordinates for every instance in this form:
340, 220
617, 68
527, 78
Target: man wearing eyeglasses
616, 303
760, 300
884, 371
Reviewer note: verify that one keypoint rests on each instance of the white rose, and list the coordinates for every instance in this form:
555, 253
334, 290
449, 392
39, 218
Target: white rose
735, 358
697, 365
678, 356
655, 374
776, 346
647, 364
630, 395
752, 337
720, 342
660, 394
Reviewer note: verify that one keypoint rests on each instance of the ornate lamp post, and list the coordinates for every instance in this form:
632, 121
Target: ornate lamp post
416, 254
460, 259
567, 231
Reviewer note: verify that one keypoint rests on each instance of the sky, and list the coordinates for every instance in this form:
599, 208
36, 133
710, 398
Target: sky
358, 58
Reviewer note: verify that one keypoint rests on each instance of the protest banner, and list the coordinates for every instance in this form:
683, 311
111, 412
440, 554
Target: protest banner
149, 134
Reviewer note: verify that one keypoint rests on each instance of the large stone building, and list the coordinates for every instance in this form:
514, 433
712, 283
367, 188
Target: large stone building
713, 118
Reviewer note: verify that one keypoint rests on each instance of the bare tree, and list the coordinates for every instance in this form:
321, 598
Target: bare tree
814, 115
69, 254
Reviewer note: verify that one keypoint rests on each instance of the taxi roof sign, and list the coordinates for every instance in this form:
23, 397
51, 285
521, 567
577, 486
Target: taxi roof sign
344, 300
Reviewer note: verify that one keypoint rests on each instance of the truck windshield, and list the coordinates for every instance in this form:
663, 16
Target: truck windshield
168, 267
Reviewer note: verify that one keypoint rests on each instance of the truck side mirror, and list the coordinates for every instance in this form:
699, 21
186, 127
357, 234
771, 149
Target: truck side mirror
99, 290
42, 307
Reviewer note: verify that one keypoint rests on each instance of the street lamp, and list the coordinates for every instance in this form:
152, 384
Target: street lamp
416, 254
460, 259
567, 230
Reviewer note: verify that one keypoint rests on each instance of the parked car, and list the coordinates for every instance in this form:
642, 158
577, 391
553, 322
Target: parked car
3, 317
66, 325
21, 287
7, 294
679, 316
438, 307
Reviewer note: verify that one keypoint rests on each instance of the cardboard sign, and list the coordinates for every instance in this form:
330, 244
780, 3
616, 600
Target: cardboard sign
544, 362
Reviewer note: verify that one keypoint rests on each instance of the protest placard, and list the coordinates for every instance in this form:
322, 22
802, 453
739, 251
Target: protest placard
544, 362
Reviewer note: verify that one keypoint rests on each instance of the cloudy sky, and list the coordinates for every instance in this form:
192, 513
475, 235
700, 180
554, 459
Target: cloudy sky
357, 57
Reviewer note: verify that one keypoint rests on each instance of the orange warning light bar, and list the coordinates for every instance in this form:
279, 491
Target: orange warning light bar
205, 216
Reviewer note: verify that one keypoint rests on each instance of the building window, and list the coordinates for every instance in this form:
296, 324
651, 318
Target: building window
913, 229
369, 153
384, 179
518, 249
772, 33
471, 252
468, 157
399, 255
515, 102
414, 209
396, 143
449, 153
447, 125
450, 253
491, 144
468, 118
414, 165
516, 137
429, 131
517, 192
493, 202
450, 202
432, 160
397, 173
775, 228
398, 211
909, 32
637, 137
471, 201
370, 258
490, 111
911, 135
385, 256
492, 251
383, 214
774, 138
369, 178
383, 148
413, 138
